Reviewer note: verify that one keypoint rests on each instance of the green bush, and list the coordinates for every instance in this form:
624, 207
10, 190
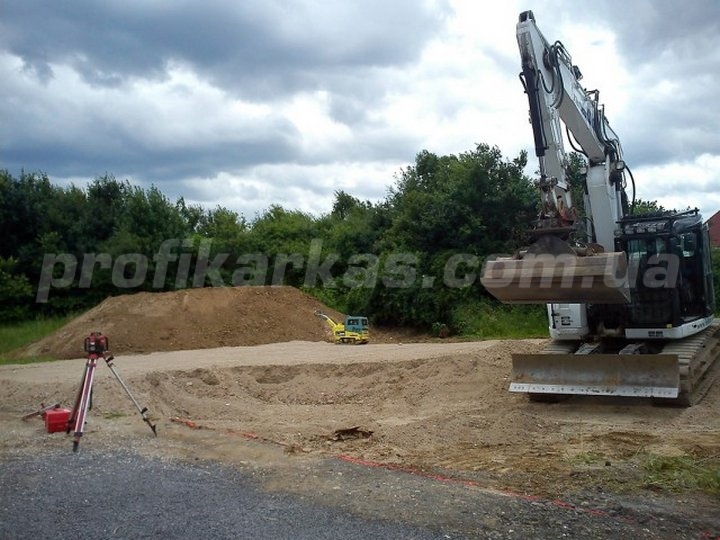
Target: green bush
487, 319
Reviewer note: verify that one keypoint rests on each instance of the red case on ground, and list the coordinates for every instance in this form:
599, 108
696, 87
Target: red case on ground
56, 420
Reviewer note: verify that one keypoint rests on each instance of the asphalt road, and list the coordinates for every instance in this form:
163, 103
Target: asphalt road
107, 493
123, 495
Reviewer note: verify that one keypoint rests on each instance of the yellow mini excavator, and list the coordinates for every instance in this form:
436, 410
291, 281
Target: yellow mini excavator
355, 330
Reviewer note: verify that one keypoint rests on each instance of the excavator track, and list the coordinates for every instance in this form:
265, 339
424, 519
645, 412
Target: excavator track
696, 356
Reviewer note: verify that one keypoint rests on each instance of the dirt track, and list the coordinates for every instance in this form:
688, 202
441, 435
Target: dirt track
431, 406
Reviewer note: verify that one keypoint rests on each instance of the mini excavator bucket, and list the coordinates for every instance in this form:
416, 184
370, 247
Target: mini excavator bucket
636, 375
550, 272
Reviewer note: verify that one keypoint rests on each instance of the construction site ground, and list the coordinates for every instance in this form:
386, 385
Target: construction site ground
246, 377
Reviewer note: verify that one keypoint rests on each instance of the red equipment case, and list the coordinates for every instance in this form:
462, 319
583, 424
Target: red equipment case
56, 420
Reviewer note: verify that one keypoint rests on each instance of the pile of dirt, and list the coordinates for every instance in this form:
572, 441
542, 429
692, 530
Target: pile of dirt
194, 319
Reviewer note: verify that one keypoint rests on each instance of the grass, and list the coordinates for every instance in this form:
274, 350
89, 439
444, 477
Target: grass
683, 473
13, 336
686, 473
587, 458
485, 321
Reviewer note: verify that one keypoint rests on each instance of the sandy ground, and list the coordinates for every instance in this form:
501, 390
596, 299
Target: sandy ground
430, 406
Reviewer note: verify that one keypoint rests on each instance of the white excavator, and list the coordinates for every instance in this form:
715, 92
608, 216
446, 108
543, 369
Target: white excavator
630, 298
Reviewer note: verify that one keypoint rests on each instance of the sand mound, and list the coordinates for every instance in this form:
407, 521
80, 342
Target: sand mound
192, 319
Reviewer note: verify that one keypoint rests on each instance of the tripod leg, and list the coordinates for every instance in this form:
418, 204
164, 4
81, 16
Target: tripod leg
83, 402
78, 397
143, 410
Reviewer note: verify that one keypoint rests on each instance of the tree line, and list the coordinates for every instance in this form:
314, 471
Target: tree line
412, 258
386, 259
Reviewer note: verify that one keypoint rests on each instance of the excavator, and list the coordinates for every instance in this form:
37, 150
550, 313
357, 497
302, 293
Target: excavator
630, 298
354, 330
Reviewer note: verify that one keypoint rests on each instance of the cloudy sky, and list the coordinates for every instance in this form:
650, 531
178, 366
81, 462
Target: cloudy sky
251, 103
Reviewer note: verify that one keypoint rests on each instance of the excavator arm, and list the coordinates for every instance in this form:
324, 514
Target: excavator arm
570, 261
552, 84
331, 323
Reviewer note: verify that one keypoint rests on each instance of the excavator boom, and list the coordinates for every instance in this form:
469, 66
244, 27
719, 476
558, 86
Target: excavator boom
573, 259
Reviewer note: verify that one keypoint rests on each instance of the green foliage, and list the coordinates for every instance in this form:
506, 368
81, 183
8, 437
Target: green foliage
15, 291
472, 203
647, 208
683, 473
285, 237
151, 218
279, 230
225, 227
489, 320
126, 238
576, 178
16, 335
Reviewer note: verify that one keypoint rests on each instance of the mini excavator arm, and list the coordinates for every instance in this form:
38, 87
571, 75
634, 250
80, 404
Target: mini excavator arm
331, 323
337, 330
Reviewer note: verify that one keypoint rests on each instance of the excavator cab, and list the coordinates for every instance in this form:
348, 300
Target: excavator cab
669, 268
356, 330
356, 324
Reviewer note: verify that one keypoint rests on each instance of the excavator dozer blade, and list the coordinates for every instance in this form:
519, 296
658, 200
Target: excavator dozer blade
558, 279
636, 375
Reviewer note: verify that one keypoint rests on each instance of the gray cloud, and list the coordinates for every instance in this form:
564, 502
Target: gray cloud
687, 33
674, 51
70, 140
261, 52
646, 29
91, 87
253, 48
663, 41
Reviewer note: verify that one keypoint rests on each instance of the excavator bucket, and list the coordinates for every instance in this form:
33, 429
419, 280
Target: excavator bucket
558, 278
637, 375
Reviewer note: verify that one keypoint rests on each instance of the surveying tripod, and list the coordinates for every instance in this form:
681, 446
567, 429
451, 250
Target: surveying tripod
96, 346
